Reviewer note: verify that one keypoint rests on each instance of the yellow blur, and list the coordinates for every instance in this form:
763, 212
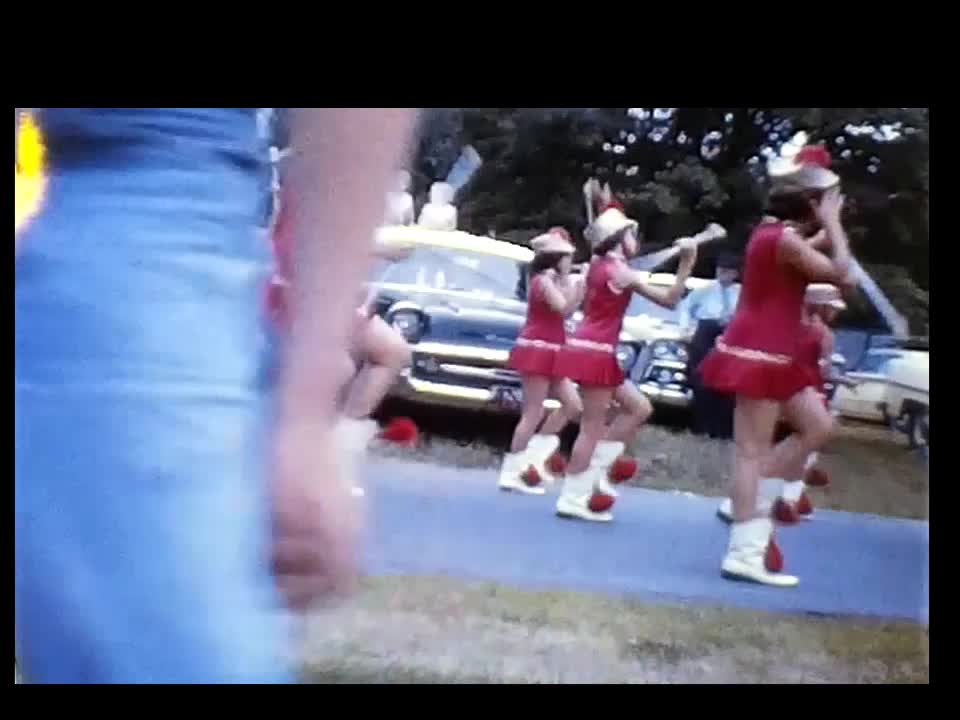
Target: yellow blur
28, 173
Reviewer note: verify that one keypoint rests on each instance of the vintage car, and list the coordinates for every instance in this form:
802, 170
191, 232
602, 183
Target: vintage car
460, 301
661, 368
893, 388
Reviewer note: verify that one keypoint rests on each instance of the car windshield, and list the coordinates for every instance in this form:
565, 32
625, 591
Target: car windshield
458, 271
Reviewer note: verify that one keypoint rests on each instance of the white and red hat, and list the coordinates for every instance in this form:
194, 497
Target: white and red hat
556, 240
805, 169
608, 223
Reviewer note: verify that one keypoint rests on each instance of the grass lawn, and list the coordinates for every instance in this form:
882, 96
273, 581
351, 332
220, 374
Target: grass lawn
871, 468
427, 630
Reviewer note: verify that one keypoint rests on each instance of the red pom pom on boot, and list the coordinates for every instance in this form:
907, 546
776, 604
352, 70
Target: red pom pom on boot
402, 431
773, 558
530, 477
599, 502
622, 469
804, 507
785, 513
817, 477
557, 463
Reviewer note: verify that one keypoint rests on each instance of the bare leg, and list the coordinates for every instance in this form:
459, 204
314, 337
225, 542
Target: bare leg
571, 407
753, 422
813, 425
634, 411
593, 427
386, 354
535, 388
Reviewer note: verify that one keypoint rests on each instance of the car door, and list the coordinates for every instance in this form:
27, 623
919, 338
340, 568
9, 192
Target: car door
867, 400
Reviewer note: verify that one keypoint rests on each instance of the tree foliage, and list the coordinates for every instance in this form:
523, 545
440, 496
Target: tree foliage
678, 168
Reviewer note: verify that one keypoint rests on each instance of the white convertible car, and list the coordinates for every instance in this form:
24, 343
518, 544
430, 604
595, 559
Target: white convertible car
893, 388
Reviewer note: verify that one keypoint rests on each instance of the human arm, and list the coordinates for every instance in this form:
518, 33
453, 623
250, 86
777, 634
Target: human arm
339, 173
562, 293
668, 297
814, 265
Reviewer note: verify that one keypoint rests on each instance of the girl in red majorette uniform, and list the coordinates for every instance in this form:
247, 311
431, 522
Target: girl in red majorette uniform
787, 497
757, 357
589, 358
551, 297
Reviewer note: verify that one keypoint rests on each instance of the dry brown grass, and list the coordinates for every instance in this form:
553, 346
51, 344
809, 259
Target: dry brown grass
443, 630
871, 468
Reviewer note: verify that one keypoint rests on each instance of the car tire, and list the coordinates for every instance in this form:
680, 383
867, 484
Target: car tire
918, 429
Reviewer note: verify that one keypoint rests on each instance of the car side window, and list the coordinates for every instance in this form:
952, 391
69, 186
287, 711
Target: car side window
877, 362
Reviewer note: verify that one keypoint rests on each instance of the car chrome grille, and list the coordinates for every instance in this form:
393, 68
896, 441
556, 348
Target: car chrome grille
468, 372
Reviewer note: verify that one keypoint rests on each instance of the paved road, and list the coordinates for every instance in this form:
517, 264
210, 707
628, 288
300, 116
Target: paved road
661, 546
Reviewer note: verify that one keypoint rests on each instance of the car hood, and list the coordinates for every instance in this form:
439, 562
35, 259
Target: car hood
644, 328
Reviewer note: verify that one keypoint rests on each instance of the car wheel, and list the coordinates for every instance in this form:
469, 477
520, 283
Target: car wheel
918, 429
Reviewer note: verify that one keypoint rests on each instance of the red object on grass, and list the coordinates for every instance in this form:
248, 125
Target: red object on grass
623, 468
599, 502
402, 431
773, 558
557, 463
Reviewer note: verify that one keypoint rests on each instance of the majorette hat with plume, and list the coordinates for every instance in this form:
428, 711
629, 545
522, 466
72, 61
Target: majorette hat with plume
803, 168
609, 213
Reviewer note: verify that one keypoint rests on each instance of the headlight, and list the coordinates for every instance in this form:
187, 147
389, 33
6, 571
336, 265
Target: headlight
409, 323
626, 356
670, 350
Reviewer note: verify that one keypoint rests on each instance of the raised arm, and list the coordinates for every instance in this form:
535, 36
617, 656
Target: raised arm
814, 265
557, 293
670, 297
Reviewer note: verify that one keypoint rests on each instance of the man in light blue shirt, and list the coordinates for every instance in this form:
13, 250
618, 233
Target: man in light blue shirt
716, 301
703, 315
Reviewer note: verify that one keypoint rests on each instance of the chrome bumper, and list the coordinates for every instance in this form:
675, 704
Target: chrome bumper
665, 396
413, 389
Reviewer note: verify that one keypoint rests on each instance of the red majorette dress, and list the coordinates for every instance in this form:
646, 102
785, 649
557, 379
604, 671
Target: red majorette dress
589, 356
542, 337
758, 354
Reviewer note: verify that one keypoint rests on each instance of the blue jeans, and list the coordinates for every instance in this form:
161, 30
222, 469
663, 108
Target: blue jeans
142, 512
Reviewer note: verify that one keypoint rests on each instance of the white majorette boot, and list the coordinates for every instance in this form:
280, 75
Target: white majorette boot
768, 490
539, 449
580, 498
605, 455
353, 437
516, 474
748, 556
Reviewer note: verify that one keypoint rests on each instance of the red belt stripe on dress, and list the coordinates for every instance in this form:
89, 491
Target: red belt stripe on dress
542, 344
591, 345
751, 354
